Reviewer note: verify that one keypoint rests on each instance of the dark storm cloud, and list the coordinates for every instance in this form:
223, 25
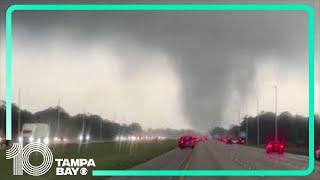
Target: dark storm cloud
211, 51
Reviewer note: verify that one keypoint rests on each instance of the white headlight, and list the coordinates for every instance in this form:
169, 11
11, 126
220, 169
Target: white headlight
80, 137
87, 137
31, 139
46, 140
20, 139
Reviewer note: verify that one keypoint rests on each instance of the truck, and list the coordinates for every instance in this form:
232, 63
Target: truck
35, 132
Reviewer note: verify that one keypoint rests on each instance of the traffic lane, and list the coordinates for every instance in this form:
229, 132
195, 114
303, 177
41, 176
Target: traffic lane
206, 158
172, 160
254, 158
211, 155
275, 161
285, 161
233, 156
214, 155
258, 159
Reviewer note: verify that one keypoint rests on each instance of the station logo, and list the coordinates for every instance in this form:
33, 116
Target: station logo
64, 167
21, 162
73, 166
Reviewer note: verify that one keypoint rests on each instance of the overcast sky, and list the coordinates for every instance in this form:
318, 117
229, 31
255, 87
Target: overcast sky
162, 69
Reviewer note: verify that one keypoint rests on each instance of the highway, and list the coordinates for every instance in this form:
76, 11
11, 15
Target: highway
211, 155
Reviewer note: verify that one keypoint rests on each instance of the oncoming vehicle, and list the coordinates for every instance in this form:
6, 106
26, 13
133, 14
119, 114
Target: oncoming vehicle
187, 141
273, 146
60, 140
34, 132
318, 154
2, 141
84, 138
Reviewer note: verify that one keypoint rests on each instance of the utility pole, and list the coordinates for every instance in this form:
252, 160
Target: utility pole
258, 123
239, 118
0, 87
247, 125
276, 109
81, 136
19, 112
82, 131
58, 126
101, 129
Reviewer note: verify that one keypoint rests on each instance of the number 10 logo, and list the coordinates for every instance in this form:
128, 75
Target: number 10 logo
21, 162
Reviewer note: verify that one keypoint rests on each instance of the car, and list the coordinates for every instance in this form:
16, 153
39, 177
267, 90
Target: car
203, 138
227, 140
60, 140
318, 154
2, 141
34, 132
86, 138
240, 140
234, 141
275, 146
187, 141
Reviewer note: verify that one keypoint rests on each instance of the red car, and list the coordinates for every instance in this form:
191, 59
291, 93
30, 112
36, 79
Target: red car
187, 141
240, 140
318, 153
273, 146
227, 140
203, 138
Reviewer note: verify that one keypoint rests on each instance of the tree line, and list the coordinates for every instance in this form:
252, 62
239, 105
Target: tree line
73, 126
70, 126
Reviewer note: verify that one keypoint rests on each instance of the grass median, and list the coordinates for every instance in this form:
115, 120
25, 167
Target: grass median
107, 155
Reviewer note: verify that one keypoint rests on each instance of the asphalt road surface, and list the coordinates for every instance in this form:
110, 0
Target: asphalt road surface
213, 155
